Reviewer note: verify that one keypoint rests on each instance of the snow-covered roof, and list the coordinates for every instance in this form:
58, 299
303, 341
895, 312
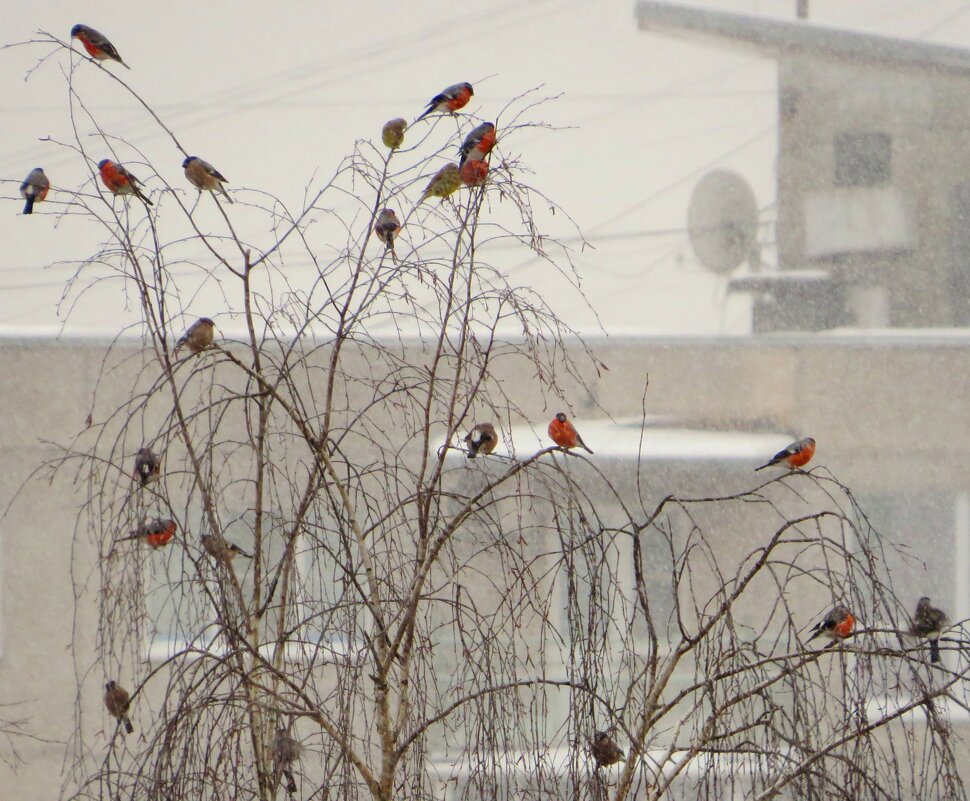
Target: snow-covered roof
774, 37
916, 334
657, 441
657, 760
837, 337
772, 280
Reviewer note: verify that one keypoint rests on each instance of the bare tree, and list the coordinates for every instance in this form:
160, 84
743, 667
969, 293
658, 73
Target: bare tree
351, 608
13, 731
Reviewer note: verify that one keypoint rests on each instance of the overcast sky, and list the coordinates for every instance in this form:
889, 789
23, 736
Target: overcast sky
276, 96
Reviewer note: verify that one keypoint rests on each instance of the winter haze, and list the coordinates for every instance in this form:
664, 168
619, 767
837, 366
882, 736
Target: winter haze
276, 99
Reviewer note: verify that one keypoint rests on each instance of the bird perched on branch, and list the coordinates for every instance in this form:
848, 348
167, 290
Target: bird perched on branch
148, 467
157, 533
481, 439
605, 751
478, 144
796, 455
445, 182
386, 228
564, 434
97, 44
197, 337
117, 701
285, 751
119, 180
203, 175
928, 622
392, 134
450, 99
473, 172
217, 547
837, 625
34, 189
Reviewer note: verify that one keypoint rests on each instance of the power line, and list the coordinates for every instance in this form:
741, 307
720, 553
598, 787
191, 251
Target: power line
305, 77
688, 176
627, 101
415, 101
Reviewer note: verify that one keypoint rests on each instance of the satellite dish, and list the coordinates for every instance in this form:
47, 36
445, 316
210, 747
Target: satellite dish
722, 220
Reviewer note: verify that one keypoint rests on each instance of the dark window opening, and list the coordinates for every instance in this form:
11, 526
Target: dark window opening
863, 159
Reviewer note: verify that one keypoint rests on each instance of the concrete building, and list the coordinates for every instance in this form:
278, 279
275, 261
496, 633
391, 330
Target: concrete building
873, 199
884, 410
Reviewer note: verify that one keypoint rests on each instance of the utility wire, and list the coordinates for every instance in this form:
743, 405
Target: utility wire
306, 77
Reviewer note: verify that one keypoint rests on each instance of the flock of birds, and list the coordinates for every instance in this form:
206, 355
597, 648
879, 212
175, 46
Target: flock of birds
927, 623
471, 170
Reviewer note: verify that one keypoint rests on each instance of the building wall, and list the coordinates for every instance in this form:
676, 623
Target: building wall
890, 416
927, 114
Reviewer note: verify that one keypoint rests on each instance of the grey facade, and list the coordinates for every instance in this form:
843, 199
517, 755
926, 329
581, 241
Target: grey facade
873, 157
887, 412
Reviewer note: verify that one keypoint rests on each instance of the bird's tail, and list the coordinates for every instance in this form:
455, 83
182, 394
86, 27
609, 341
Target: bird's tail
29, 205
290, 782
128, 727
141, 194
766, 464
934, 651
425, 113
225, 194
